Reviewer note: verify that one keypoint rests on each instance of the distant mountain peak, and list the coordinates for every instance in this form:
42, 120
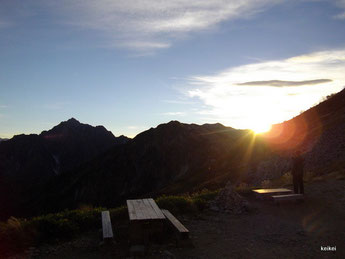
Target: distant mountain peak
73, 120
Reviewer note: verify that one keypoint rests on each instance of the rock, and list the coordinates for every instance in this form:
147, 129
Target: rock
215, 208
229, 201
167, 255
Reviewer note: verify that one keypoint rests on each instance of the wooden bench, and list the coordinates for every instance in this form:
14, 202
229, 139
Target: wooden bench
106, 226
288, 197
268, 193
182, 231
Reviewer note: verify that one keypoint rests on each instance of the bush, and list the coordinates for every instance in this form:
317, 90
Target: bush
12, 236
200, 203
206, 195
120, 213
176, 204
243, 188
54, 226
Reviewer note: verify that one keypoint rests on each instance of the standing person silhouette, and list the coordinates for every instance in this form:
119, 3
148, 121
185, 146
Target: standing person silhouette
297, 173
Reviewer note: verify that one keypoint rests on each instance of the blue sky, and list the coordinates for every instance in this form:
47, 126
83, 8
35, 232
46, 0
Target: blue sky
131, 65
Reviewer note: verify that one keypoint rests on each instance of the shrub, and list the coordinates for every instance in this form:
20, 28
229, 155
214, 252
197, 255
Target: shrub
54, 226
120, 213
176, 204
12, 236
206, 195
266, 183
243, 188
200, 203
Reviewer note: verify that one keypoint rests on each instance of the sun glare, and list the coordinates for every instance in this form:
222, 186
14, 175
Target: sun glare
261, 128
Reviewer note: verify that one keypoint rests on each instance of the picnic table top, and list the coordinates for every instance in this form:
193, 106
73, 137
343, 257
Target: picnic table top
278, 190
144, 209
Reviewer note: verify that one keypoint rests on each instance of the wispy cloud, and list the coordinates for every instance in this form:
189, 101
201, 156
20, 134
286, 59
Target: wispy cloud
178, 101
174, 113
146, 25
239, 104
341, 4
280, 83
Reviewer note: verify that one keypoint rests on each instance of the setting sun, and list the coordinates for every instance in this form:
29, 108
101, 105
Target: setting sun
261, 128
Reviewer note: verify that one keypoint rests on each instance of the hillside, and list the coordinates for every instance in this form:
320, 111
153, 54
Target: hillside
317, 132
28, 162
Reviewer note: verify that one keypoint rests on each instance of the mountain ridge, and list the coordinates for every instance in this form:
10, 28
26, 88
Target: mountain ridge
28, 162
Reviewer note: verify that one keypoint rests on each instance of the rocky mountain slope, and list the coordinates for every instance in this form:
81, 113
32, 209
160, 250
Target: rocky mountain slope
27, 162
317, 132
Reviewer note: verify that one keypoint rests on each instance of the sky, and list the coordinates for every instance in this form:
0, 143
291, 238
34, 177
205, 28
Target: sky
131, 65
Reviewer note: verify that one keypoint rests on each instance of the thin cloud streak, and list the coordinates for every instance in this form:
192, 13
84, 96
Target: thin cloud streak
242, 106
341, 4
280, 83
145, 25
174, 113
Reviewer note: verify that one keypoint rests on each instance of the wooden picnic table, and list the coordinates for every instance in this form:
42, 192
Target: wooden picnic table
144, 209
146, 220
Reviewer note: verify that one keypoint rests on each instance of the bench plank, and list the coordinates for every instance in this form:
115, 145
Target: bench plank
288, 197
151, 212
272, 191
267, 193
142, 208
131, 210
159, 213
177, 224
106, 225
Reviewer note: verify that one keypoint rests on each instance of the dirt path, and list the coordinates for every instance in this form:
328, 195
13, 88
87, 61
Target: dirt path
270, 231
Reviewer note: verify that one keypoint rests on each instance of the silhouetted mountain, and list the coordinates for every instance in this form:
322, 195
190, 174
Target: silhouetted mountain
173, 157
3, 139
27, 162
